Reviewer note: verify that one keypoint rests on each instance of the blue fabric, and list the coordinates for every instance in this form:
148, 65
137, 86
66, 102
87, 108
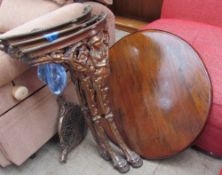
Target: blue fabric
54, 75
51, 36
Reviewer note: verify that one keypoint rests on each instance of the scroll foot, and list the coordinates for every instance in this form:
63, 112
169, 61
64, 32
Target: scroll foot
121, 164
105, 155
134, 160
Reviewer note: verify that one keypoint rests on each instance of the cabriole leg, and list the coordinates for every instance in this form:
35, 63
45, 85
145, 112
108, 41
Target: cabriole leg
118, 161
102, 149
88, 91
131, 157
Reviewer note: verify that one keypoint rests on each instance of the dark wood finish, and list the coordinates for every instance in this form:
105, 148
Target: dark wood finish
161, 93
144, 10
129, 25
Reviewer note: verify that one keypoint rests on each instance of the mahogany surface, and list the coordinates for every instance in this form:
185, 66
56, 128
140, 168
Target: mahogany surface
161, 93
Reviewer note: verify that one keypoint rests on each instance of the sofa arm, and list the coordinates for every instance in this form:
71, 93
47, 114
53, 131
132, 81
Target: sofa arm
4, 162
206, 11
9, 20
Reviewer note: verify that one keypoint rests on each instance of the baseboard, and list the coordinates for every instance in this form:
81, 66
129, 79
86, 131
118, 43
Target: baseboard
129, 25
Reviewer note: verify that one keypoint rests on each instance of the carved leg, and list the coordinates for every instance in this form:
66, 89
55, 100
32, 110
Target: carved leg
118, 161
101, 88
97, 129
82, 100
102, 149
131, 157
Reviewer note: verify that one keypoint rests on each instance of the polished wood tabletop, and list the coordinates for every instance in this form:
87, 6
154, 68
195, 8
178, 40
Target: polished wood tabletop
160, 91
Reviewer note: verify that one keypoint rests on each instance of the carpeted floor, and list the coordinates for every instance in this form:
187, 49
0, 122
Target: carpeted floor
84, 160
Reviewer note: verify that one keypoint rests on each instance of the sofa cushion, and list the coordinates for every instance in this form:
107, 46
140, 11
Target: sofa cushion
206, 39
206, 11
51, 19
14, 13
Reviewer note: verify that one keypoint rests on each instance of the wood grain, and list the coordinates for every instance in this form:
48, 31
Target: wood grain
160, 91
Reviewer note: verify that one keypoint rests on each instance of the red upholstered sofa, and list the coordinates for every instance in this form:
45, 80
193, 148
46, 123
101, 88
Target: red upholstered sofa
199, 22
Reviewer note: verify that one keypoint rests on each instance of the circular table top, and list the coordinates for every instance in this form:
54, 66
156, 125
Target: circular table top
160, 93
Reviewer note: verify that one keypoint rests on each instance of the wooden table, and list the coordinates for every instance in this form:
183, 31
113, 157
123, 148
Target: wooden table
161, 93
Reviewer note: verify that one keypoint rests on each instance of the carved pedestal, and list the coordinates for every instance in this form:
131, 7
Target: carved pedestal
85, 54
